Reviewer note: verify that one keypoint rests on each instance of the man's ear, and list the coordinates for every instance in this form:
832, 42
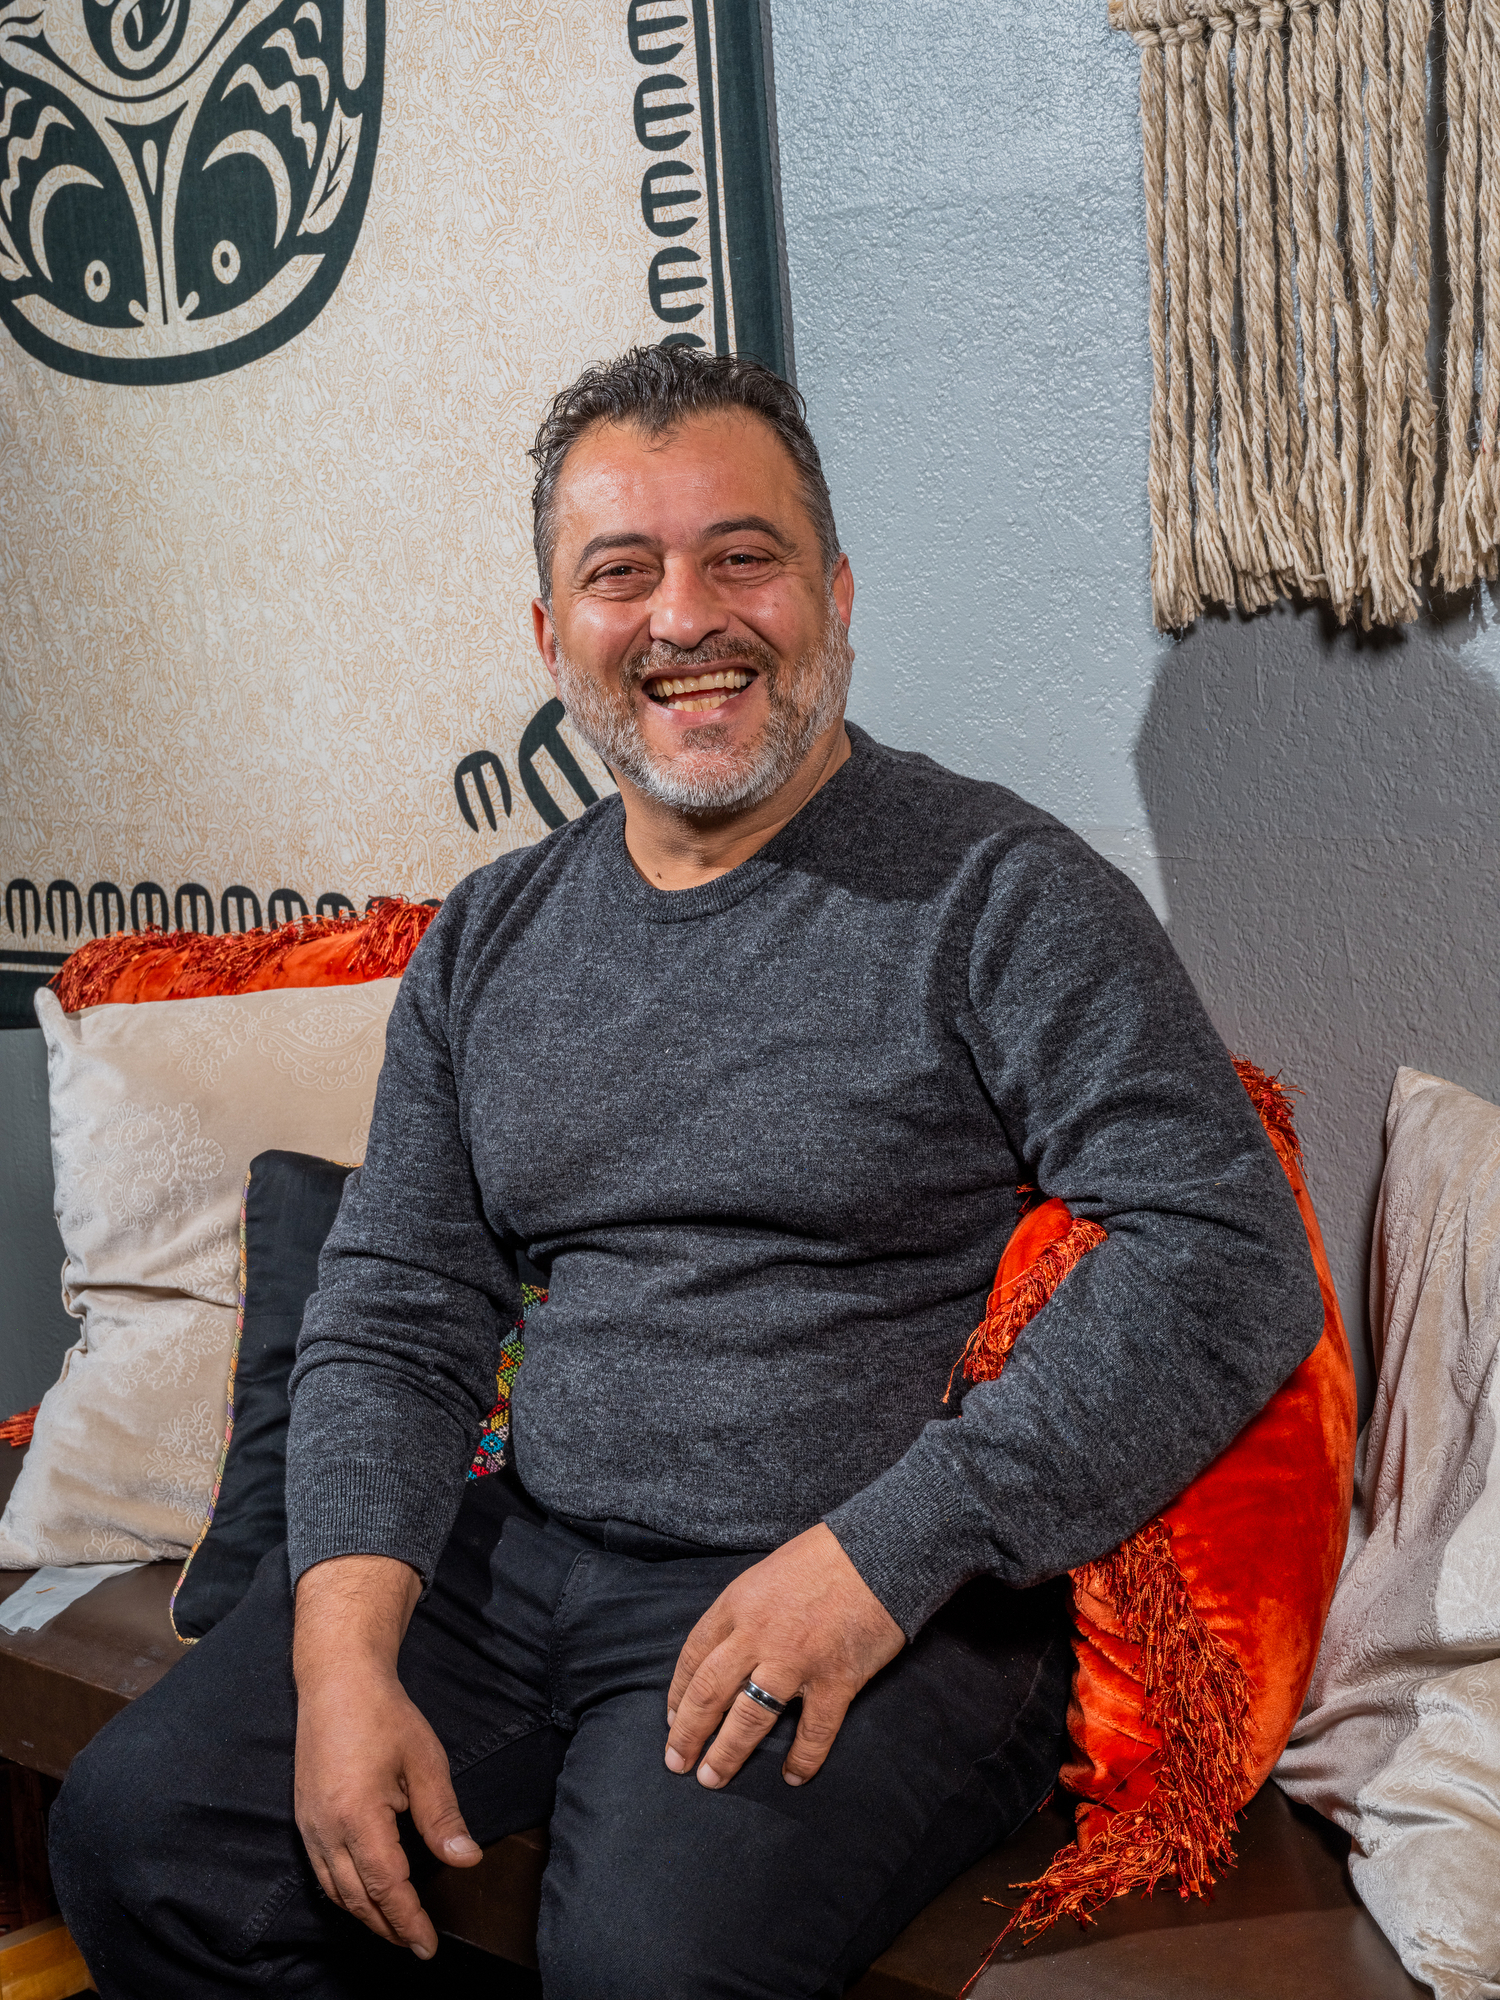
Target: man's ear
545, 634
841, 587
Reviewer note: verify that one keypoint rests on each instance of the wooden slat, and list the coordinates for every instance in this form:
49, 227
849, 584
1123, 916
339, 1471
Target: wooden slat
42, 1962
494, 1904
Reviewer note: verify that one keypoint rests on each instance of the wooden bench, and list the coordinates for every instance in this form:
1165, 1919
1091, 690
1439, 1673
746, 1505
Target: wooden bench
1285, 1921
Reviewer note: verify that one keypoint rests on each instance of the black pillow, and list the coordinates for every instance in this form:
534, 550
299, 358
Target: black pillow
291, 1200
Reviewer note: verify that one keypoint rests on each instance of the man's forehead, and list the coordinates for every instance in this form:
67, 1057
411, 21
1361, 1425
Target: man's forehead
722, 465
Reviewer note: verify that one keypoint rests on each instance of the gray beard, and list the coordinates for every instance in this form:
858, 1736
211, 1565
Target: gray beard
709, 775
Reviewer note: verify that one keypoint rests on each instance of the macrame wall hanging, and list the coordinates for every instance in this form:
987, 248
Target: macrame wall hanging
1294, 434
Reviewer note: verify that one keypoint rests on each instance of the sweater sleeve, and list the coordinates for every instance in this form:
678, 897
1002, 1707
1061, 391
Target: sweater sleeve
1117, 1094
395, 1368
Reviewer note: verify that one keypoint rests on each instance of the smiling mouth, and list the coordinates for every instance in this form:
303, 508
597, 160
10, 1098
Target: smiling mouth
692, 691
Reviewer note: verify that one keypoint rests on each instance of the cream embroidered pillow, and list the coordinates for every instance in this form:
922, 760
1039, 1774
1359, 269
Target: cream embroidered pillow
157, 1110
1400, 1738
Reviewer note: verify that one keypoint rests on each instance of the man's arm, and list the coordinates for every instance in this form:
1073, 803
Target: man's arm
395, 1368
364, 1751
1115, 1091
396, 1364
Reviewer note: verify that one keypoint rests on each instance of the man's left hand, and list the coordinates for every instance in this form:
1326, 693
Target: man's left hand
801, 1622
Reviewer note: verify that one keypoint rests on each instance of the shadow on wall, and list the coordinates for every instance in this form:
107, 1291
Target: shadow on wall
1326, 806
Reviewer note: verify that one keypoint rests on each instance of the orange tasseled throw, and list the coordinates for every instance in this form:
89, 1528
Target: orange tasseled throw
1195, 1641
184, 965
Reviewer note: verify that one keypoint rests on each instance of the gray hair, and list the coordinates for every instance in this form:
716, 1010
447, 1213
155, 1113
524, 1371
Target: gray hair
656, 389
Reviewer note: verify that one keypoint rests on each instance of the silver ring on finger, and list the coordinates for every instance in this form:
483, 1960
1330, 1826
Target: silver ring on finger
758, 1693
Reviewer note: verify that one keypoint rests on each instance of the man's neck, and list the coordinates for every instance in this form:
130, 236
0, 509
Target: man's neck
675, 850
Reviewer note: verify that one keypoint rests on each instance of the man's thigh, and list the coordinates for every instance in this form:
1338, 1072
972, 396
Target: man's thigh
767, 1891
175, 1844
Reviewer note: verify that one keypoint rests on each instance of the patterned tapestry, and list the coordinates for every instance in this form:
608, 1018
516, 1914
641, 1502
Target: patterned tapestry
285, 287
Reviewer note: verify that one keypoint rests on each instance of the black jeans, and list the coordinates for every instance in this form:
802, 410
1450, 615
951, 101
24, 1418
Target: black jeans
542, 1656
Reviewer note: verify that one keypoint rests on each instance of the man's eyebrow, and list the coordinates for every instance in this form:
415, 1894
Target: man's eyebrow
749, 523
624, 541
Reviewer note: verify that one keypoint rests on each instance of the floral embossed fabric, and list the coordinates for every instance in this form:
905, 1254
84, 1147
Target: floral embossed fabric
1400, 1737
156, 1113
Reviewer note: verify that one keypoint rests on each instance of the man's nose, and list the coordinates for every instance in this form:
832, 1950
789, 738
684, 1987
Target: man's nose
685, 607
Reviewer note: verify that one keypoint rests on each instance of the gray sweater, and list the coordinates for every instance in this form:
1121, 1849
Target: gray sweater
762, 1138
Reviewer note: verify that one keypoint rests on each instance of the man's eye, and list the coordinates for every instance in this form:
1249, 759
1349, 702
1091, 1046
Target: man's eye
745, 559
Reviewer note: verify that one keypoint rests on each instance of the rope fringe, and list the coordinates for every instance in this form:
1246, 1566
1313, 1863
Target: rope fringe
1293, 425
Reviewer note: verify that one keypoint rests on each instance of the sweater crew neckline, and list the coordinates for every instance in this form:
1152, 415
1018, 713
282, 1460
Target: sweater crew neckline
707, 899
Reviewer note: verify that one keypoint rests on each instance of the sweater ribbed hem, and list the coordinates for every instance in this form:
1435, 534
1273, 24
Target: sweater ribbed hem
368, 1507
910, 1536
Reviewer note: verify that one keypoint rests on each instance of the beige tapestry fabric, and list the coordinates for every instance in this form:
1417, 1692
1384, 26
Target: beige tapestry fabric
1400, 1738
1294, 431
157, 1113
285, 287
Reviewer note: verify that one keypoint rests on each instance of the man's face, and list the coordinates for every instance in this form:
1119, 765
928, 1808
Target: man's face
692, 635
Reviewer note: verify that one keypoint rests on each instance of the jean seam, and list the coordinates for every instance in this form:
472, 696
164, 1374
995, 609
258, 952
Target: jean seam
554, 1645
246, 1938
510, 1732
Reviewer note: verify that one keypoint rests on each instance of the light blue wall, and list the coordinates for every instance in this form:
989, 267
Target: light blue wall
961, 188
1314, 814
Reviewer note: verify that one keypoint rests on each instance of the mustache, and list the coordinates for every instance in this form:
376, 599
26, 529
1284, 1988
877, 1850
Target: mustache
663, 657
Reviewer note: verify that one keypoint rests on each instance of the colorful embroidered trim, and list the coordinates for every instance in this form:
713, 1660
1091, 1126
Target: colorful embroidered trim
495, 1437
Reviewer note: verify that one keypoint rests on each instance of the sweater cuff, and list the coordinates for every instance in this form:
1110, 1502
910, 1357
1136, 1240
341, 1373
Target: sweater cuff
910, 1537
367, 1507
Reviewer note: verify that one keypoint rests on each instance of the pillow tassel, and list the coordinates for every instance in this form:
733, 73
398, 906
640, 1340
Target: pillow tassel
198, 966
1012, 1306
1198, 1697
91, 971
1273, 1105
17, 1430
1197, 1693
393, 931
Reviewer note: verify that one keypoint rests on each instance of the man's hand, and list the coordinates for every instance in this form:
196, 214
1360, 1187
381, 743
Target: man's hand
365, 1752
803, 1621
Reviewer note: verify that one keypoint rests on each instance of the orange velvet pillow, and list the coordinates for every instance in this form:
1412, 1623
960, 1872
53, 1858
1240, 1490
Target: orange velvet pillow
1195, 1641
185, 965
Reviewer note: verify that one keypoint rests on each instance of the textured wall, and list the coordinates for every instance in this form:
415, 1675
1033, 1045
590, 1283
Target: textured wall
1313, 813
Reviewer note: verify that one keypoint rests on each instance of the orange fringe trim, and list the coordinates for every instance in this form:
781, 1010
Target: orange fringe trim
1273, 1101
17, 1430
1013, 1306
1197, 1693
213, 965
1198, 1696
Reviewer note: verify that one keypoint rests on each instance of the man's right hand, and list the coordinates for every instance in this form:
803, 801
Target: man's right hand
365, 1752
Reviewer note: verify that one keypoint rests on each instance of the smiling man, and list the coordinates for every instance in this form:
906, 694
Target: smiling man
741, 1071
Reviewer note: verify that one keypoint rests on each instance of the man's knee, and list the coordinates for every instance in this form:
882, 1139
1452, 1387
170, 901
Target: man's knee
109, 1821
664, 1946
593, 1955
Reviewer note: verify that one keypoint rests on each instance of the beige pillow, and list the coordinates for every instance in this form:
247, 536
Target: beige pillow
1400, 1738
157, 1111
